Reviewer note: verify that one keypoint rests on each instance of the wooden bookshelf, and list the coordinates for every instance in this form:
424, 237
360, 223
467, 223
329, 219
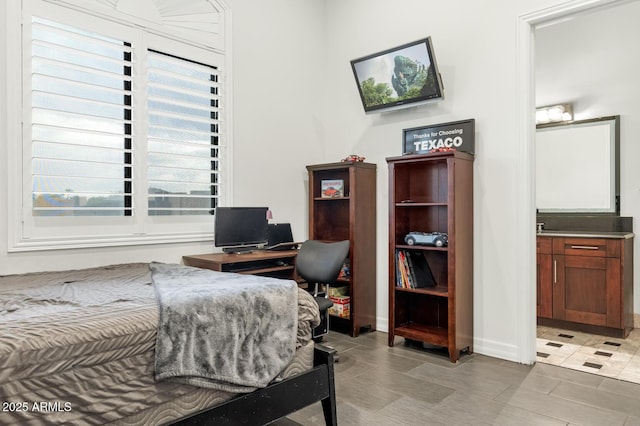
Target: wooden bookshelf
433, 193
352, 217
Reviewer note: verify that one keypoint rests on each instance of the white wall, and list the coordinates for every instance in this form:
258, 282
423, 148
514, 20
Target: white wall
296, 103
278, 70
594, 67
476, 49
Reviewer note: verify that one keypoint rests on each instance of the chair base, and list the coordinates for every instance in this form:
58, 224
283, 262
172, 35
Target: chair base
322, 328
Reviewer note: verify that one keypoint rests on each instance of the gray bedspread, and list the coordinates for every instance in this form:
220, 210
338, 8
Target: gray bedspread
82, 342
224, 331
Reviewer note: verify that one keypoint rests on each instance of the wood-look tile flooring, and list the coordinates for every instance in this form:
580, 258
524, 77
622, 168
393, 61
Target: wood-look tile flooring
403, 385
605, 356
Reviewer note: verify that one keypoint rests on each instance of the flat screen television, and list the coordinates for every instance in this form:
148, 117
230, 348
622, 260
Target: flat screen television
238, 229
400, 77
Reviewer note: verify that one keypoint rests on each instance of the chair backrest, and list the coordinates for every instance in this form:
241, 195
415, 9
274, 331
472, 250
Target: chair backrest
320, 262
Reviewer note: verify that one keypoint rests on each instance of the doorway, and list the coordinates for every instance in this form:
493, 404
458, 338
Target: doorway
525, 222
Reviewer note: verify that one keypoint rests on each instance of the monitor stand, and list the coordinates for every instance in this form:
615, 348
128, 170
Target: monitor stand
240, 249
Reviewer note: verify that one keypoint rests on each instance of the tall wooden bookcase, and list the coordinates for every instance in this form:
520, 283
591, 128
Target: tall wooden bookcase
349, 216
433, 193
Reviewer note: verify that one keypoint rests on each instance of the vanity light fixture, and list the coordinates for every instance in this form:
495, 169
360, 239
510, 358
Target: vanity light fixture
554, 114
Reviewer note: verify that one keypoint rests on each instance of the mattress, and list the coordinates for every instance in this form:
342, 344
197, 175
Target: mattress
77, 347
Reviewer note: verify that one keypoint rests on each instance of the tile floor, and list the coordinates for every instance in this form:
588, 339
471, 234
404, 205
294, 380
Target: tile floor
605, 356
378, 385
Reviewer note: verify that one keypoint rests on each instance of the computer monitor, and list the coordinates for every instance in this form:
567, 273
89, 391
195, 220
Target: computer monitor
240, 228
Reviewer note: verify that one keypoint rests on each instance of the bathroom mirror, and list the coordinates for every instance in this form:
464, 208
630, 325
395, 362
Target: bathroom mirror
577, 167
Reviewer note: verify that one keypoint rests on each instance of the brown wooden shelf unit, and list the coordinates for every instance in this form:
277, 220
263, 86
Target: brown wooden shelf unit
351, 216
432, 193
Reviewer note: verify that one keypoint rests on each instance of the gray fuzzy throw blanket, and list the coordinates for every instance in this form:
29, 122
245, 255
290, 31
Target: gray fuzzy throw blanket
221, 330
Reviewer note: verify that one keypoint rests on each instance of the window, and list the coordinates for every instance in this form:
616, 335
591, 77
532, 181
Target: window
183, 136
81, 141
122, 137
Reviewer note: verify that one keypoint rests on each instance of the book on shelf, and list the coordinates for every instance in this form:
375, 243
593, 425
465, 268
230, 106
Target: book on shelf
422, 272
400, 276
401, 273
412, 270
397, 269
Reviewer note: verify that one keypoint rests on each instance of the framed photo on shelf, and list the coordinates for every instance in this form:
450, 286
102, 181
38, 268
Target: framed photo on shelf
331, 188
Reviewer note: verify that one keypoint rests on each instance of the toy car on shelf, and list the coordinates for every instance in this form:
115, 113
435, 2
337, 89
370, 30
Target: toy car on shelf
438, 239
352, 159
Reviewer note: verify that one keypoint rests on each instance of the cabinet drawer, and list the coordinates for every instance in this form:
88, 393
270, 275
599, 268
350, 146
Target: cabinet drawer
543, 245
593, 247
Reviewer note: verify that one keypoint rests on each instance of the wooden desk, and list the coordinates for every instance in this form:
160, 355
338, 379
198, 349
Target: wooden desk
278, 264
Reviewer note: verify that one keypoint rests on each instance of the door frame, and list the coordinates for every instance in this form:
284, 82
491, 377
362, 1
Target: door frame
525, 163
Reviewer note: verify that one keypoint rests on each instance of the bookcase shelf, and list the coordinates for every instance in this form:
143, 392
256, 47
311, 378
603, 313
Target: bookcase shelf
439, 335
352, 217
432, 193
423, 248
440, 291
330, 200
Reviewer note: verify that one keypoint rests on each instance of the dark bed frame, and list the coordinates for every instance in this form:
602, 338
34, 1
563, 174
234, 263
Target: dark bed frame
279, 399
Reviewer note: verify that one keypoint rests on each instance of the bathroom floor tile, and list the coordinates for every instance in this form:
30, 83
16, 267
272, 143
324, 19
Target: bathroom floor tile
605, 356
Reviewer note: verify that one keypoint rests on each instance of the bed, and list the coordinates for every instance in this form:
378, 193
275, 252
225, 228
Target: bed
79, 347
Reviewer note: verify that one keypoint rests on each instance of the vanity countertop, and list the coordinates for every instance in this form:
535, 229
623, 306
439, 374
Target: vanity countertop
585, 234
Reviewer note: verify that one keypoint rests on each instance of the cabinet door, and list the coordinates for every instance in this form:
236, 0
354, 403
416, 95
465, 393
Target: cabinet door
587, 290
544, 277
544, 281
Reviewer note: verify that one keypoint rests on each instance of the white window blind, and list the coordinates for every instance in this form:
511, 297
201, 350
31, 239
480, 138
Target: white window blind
120, 135
183, 136
80, 122
82, 130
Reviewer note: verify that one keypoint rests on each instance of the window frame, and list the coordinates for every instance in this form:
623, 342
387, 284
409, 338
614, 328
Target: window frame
28, 232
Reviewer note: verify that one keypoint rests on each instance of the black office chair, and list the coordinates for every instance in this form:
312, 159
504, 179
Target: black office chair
318, 263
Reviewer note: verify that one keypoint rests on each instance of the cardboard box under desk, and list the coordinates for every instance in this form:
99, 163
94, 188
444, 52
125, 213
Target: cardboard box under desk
341, 306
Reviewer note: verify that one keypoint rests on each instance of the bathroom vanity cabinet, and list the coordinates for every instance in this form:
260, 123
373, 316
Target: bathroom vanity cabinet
585, 281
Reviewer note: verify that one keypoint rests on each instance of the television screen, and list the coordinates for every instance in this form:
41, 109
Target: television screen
237, 227
400, 77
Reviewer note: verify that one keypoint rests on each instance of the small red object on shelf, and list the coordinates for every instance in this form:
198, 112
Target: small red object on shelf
352, 159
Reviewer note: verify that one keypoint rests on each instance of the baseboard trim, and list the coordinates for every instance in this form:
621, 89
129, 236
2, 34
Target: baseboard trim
382, 324
496, 349
486, 347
